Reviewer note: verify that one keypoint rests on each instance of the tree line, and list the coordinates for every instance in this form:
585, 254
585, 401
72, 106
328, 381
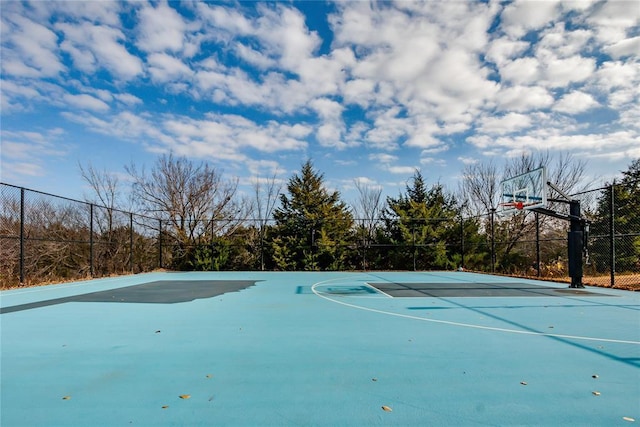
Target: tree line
188, 217
303, 225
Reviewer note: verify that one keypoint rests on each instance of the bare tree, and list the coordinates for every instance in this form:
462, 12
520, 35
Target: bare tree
105, 186
369, 203
193, 199
266, 193
480, 188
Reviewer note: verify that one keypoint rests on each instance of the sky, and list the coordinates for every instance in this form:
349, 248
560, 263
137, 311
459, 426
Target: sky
369, 91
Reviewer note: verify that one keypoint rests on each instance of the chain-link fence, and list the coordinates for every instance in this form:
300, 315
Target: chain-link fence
46, 238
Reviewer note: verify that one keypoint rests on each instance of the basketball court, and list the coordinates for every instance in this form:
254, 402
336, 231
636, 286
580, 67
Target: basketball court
323, 349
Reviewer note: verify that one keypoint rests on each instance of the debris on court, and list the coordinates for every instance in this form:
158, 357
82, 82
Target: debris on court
628, 419
374, 379
209, 376
387, 409
523, 382
165, 406
595, 393
66, 398
594, 376
184, 396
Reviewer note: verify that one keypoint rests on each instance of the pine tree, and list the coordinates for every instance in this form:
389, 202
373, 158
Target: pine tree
422, 223
313, 227
626, 221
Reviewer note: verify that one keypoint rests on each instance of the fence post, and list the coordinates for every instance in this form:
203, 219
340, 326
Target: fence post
537, 216
493, 242
159, 243
21, 236
131, 241
91, 239
612, 236
461, 242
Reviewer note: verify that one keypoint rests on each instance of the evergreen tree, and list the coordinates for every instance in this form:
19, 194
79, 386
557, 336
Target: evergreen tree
313, 227
626, 219
422, 223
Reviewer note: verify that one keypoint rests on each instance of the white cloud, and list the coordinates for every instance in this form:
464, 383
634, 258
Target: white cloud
623, 48
165, 68
523, 99
86, 102
521, 71
29, 48
611, 20
508, 123
160, 28
468, 160
94, 46
383, 158
522, 16
560, 72
401, 170
503, 50
575, 102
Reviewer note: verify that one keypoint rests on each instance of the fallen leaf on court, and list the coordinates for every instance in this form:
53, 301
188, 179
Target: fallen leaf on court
387, 409
523, 382
628, 419
185, 396
595, 393
66, 398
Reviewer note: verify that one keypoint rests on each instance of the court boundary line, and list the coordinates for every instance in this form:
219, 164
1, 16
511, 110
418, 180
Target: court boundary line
460, 324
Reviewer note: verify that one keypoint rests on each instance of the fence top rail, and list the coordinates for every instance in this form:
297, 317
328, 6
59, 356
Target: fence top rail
76, 200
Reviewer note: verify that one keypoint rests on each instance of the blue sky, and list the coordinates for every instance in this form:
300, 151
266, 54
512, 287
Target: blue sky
368, 91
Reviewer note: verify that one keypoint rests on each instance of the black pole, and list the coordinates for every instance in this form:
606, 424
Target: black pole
461, 242
213, 247
576, 244
413, 243
159, 243
537, 216
21, 236
131, 241
91, 239
612, 236
493, 242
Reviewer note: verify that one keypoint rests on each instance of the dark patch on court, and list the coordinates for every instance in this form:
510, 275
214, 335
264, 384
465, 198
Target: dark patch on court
450, 290
158, 292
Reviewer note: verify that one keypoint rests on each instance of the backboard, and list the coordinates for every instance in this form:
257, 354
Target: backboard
524, 191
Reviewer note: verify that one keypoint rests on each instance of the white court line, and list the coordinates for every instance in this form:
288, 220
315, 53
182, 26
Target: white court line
465, 325
377, 290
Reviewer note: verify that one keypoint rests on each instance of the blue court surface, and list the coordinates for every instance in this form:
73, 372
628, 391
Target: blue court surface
319, 349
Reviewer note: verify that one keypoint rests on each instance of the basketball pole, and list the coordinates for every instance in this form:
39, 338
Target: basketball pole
576, 237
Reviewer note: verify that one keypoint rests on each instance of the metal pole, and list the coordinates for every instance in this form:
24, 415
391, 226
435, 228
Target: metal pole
131, 241
576, 244
212, 248
612, 236
159, 243
461, 242
537, 216
21, 236
365, 240
493, 242
413, 232
91, 239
